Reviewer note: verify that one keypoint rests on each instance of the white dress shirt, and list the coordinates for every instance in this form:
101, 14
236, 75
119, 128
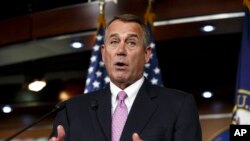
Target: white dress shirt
131, 92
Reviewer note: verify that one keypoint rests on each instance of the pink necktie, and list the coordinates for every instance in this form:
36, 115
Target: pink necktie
119, 116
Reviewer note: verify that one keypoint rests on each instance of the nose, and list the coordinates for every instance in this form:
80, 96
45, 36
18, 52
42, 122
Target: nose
121, 50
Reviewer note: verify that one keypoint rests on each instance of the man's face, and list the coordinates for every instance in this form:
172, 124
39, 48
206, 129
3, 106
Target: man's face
123, 53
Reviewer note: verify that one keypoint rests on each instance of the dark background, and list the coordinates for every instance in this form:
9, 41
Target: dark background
190, 60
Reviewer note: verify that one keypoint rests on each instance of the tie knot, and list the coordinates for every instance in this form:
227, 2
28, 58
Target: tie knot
121, 95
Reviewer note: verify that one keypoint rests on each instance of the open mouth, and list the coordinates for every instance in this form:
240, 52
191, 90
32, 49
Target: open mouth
120, 65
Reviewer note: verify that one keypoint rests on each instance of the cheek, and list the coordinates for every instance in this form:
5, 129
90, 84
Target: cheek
108, 60
138, 63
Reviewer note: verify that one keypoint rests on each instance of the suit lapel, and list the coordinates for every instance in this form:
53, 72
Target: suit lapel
140, 114
104, 113
98, 132
101, 115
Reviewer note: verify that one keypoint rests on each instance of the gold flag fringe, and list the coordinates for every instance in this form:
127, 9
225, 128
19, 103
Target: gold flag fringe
149, 16
247, 3
101, 20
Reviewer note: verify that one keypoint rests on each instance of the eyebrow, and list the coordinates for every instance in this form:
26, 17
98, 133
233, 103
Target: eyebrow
113, 35
129, 35
133, 35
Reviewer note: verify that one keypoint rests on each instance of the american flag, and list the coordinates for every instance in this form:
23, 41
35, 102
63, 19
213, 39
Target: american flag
97, 76
152, 71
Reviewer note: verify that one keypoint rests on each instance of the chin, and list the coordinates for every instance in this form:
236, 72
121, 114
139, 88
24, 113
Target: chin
120, 79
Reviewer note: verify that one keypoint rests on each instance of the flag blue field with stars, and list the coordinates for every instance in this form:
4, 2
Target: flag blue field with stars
97, 77
152, 71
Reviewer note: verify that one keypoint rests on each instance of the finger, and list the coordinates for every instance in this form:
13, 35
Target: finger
60, 133
136, 137
52, 139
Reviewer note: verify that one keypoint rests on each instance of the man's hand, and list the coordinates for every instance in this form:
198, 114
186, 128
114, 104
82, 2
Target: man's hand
136, 137
60, 134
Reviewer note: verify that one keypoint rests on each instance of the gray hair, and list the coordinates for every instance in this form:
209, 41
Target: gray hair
136, 19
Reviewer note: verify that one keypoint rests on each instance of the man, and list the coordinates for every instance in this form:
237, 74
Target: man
153, 113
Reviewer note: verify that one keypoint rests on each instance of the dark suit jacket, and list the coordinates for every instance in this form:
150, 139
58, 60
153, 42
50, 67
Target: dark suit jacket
157, 114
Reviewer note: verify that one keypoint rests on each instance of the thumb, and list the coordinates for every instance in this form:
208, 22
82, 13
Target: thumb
60, 133
136, 137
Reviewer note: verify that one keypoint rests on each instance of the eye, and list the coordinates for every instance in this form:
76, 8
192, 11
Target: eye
131, 43
113, 42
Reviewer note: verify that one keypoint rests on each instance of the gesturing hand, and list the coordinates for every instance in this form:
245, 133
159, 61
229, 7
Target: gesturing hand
136, 137
60, 134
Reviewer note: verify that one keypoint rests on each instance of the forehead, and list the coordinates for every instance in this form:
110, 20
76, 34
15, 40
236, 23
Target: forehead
120, 27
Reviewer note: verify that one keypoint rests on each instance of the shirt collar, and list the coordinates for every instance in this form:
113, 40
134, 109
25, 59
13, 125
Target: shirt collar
131, 90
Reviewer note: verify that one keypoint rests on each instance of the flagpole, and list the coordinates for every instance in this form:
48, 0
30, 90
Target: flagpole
149, 15
247, 3
101, 17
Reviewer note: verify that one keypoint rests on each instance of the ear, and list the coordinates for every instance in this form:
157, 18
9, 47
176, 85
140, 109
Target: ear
148, 52
103, 52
